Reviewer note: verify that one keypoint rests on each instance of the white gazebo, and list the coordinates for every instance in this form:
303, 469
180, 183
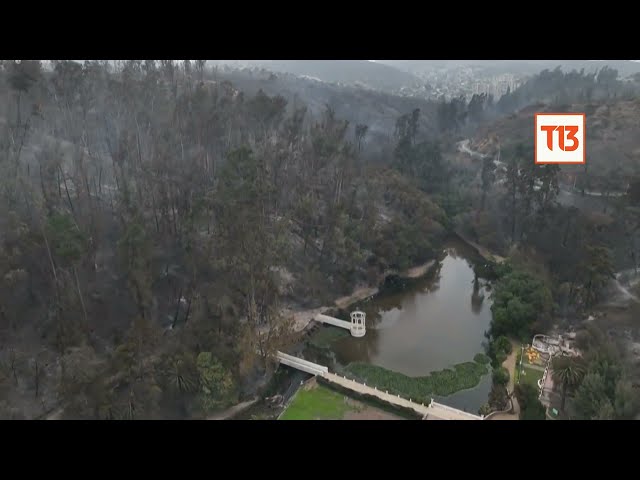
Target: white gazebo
358, 328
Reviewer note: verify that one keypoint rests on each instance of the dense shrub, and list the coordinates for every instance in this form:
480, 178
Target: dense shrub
501, 376
482, 359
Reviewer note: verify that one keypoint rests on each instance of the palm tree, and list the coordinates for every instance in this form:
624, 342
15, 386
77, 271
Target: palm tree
568, 371
182, 374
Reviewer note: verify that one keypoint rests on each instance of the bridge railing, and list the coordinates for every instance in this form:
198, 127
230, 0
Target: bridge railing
415, 405
295, 361
455, 410
419, 407
332, 321
324, 372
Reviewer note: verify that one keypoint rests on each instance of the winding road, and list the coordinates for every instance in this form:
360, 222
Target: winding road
463, 146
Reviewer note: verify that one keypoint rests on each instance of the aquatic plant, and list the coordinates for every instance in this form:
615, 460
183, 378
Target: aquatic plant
443, 382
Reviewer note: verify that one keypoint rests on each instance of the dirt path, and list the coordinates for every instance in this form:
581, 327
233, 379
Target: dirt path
510, 364
358, 294
483, 251
302, 318
419, 271
230, 412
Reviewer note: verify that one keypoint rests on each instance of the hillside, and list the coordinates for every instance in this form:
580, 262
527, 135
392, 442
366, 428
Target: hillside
360, 73
164, 226
376, 109
524, 67
158, 222
612, 132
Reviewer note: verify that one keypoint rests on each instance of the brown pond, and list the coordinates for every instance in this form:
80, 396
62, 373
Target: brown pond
434, 324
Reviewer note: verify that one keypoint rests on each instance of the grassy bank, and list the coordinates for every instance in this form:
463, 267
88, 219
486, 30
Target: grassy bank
420, 389
530, 376
319, 403
373, 402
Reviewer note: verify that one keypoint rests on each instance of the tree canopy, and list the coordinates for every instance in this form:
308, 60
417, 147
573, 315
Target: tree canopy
521, 304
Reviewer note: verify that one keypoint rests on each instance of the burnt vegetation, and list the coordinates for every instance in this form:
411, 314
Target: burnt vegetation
154, 223
157, 217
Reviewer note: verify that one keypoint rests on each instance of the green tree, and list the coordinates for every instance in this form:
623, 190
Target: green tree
488, 176
596, 270
81, 385
606, 391
530, 406
216, 382
134, 248
68, 246
181, 373
250, 242
501, 376
421, 161
567, 371
626, 400
534, 411
67, 241
502, 344
547, 182
521, 303
23, 74
606, 412
498, 399
590, 397
606, 361
530, 191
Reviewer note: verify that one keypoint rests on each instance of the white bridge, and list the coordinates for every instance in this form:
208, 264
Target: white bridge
356, 326
432, 411
301, 364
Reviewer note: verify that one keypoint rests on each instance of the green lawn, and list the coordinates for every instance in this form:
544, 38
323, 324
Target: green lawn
531, 376
318, 403
516, 371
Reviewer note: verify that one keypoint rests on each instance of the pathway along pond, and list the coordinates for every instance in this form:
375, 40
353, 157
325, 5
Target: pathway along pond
437, 322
